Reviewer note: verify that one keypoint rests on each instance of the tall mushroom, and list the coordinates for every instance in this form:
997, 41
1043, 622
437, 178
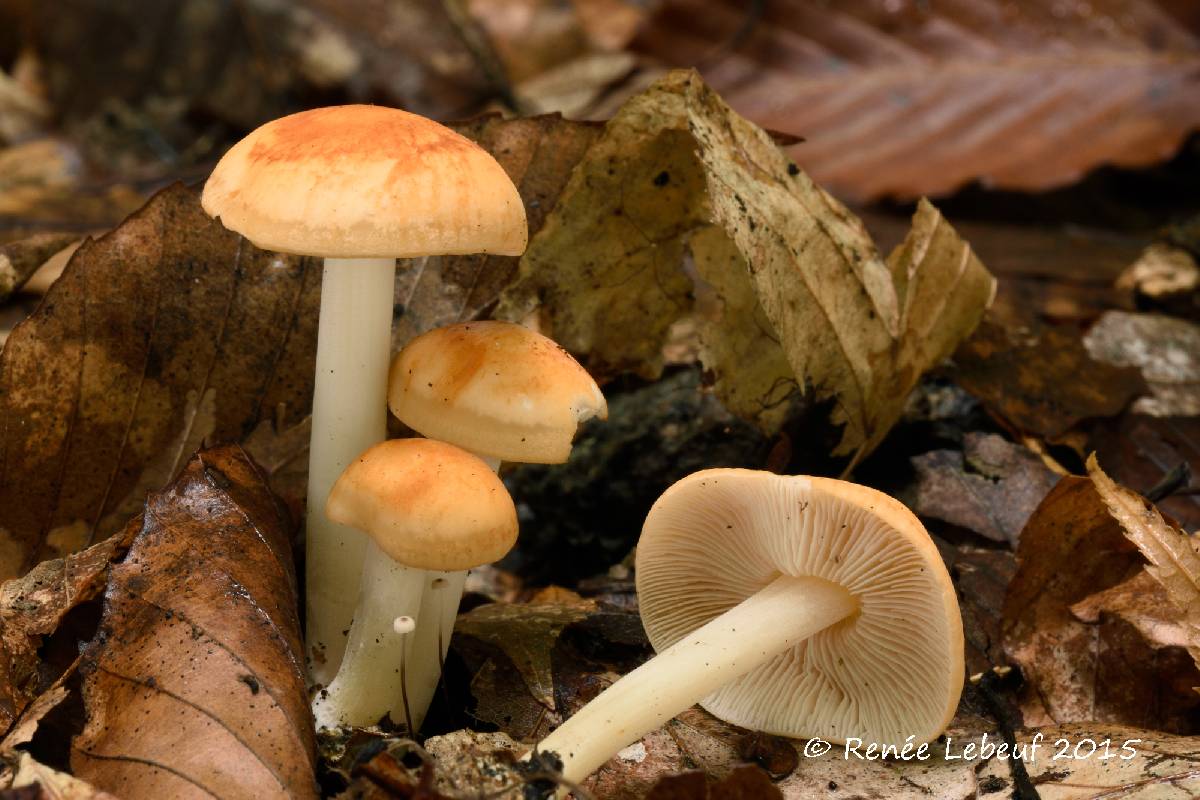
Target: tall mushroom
361, 186
503, 392
793, 605
424, 505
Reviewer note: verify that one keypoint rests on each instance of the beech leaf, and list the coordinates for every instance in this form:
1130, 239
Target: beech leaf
796, 291
194, 685
919, 98
1175, 562
164, 333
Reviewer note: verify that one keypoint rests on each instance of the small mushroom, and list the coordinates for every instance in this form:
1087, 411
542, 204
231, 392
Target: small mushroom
792, 605
503, 392
361, 186
425, 505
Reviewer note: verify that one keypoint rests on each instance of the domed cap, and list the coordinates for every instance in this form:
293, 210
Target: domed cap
427, 504
365, 182
891, 671
494, 388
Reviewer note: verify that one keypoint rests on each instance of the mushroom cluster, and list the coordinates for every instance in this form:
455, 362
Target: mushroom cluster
360, 186
434, 508
792, 605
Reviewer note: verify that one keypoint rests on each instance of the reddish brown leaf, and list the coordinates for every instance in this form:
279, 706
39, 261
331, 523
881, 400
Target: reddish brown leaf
32, 608
1142, 451
991, 487
1044, 384
163, 333
919, 98
1071, 549
194, 684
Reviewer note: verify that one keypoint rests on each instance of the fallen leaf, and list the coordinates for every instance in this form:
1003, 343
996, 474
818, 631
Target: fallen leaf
1042, 383
991, 487
744, 782
538, 153
168, 331
1143, 451
982, 577
1165, 349
909, 99
194, 685
678, 174
46, 783
20, 259
1173, 555
1162, 272
31, 610
1071, 549
1158, 766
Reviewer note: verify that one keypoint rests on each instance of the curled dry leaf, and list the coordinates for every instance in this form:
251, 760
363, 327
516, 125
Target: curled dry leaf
194, 685
32, 608
918, 98
1165, 349
167, 332
20, 259
1173, 555
1071, 549
1042, 383
797, 293
990, 488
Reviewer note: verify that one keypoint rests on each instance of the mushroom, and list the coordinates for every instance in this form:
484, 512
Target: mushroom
503, 392
361, 186
793, 605
425, 505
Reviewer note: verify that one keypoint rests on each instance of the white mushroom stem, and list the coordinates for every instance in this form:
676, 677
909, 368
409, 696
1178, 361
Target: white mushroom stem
786, 611
370, 682
349, 415
435, 626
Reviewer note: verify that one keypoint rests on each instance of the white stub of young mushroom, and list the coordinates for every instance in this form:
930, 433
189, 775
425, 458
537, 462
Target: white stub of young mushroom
792, 605
360, 186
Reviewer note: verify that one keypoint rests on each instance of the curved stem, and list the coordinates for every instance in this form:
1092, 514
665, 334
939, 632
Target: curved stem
439, 610
786, 611
370, 682
349, 415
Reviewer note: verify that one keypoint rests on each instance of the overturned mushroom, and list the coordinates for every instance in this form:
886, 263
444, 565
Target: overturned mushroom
793, 605
425, 505
362, 186
505, 393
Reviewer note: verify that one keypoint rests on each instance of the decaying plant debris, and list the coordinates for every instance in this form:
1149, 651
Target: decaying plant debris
1021, 370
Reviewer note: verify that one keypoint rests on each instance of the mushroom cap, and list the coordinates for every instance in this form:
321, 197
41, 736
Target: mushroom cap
495, 388
365, 181
427, 504
893, 670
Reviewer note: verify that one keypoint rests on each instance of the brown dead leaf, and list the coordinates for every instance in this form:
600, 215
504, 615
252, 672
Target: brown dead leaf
1142, 451
991, 487
538, 153
1165, 349
745, 782
918, 98
32, 608
20, 259
1173, 555
1071, 549
33, 781
797, 280
194, 685
1044, 383
164, 333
